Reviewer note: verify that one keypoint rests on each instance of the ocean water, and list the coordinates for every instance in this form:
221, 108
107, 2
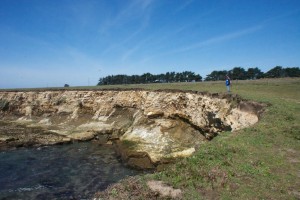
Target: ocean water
70, 171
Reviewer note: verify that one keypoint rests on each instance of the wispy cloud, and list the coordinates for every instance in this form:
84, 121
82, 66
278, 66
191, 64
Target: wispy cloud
129, 52
138, 11
218, 39
184, 5
281, 16
127, 13
131, 36
154, 38
145, 3
208, 42
180, 30
135, 48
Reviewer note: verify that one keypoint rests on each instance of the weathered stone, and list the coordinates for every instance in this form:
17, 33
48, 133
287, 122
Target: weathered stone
140, 162
82, 136
161, 124
155, 114
163, 189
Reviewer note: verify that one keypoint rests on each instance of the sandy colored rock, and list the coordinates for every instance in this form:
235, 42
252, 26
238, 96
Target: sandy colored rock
82, 136
162, 124
163, 189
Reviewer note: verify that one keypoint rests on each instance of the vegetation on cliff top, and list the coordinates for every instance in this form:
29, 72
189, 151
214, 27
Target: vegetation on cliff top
259, 162
237, 73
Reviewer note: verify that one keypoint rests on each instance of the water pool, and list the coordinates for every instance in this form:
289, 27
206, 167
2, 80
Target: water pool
70, 171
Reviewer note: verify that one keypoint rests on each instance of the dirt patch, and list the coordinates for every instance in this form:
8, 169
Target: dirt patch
131, 188
136, 188
164, 190
292, 155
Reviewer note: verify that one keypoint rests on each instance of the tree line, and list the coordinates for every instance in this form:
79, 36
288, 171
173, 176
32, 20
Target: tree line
237, 73
168, 77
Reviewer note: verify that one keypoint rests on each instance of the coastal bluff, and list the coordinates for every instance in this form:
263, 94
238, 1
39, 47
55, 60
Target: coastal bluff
148, 128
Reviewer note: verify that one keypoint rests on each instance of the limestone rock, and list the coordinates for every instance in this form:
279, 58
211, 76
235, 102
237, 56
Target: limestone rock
161, 124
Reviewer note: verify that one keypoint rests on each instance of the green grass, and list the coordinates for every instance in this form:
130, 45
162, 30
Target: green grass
259, 162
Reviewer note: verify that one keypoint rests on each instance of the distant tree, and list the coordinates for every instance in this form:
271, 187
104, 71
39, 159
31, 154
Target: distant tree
147, 78
198, 77
216, 75
161, 78
292, 72
66, 85
185, 76
189, 76
180, 77
168, 77
109, 80
254, 73
172, 77
276, 72
134, 79
238, 73
213, 76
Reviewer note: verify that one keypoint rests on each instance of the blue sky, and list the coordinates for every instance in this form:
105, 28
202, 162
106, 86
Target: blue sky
53, 42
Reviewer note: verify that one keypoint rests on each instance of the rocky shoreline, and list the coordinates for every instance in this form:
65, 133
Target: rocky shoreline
15, 135
148, 128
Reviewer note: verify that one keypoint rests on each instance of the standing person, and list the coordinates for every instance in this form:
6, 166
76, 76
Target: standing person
227, 82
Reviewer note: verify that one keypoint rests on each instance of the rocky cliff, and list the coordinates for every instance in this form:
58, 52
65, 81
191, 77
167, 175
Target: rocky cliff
147, 127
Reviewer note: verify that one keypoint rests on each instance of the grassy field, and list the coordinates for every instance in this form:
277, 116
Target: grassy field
259, 162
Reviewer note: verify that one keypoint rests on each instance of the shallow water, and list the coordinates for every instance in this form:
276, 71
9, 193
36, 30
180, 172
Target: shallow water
72, 171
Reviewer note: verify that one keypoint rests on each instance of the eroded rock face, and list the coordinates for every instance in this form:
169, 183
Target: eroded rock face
151, 126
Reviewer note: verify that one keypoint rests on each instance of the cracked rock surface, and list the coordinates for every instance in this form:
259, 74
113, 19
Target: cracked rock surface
145, 126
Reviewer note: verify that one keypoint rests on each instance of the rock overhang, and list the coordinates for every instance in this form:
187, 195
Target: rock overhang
162, 124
